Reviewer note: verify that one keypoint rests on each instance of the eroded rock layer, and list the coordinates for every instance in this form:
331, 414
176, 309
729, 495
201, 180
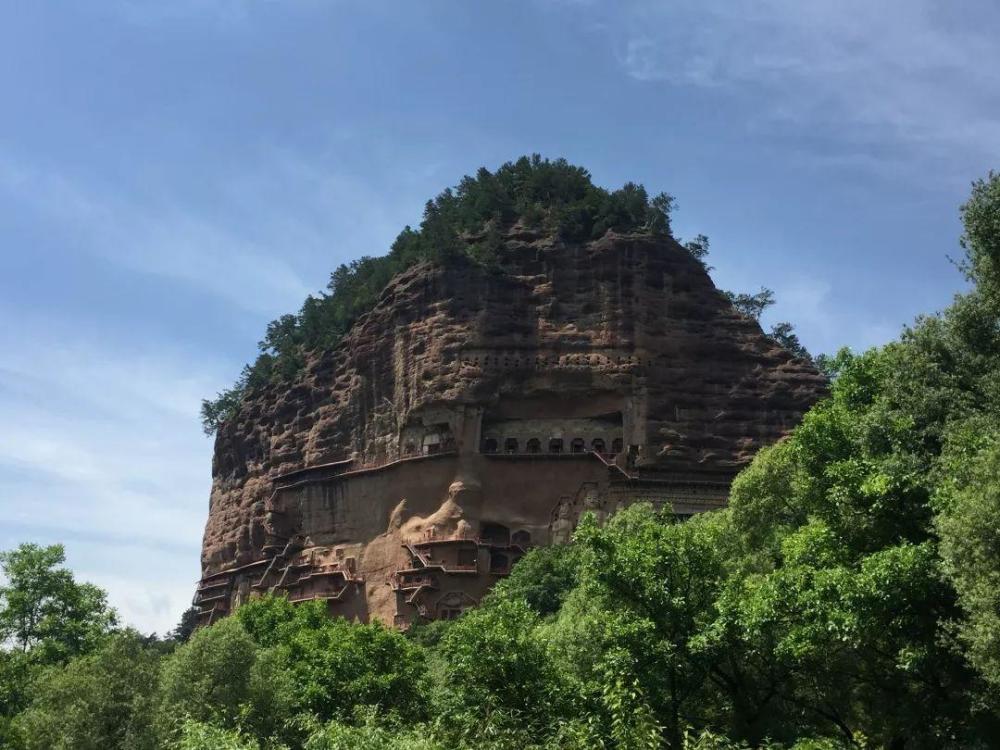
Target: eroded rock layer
474, 413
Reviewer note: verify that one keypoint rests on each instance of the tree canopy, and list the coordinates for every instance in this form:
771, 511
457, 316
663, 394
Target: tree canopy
43, 610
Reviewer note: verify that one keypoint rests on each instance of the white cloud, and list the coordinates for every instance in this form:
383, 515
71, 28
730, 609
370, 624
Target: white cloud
918, 72
165, 240
311, 205
101, 449
148, 608
824, 323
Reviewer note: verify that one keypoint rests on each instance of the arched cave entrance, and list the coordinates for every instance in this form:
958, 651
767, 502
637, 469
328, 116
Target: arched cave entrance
495, 533
521, 538
499, 562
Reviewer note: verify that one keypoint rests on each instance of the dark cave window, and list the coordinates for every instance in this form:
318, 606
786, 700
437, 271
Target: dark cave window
495, 533
467, 557
555, 445
499, 562
510, 445
598, 445
616, 445
489, 445
578, 445
521, 538
534, 446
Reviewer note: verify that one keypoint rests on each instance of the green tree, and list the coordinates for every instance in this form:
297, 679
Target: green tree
98, 701
969, 526
698, 249
199, 735
544, 577
342, 665
784, 334
215, 411
842, 593
43, 610
185, 627
370, 731
651, 586
221, 677
751, 305
981, 238
16, 675
661, 208
337, 665
497, 669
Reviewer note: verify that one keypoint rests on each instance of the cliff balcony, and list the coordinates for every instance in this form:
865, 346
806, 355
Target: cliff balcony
407, 580
329, 574
211, 608
465, 561
412, 583
328, 582
204, 588
221, 597
346, 468
522, 456
327, 596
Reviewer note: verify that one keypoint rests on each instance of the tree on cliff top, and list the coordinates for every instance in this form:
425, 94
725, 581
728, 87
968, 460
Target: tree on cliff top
461, 222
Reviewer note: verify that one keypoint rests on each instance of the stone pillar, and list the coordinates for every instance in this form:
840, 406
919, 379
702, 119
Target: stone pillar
468, 429
634, 417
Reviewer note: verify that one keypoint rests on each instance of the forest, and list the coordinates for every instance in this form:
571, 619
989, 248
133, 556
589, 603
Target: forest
848, 597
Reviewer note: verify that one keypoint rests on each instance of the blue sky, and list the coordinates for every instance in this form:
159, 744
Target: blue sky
175, 174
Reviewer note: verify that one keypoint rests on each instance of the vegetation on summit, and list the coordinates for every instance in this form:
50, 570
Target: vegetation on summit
465, 223
461, 222
848, 597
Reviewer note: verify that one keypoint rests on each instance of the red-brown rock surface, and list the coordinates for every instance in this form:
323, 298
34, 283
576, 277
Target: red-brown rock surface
397, 476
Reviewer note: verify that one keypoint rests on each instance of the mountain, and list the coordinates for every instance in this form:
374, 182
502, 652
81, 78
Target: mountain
480, 409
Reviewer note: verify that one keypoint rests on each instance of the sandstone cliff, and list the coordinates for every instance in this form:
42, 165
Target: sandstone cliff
625, 334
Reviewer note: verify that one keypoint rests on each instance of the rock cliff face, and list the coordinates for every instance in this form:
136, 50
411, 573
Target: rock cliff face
474, 413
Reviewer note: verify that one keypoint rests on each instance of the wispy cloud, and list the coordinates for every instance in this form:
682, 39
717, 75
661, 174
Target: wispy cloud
99, 449
920, 73
162, 239
822, 320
